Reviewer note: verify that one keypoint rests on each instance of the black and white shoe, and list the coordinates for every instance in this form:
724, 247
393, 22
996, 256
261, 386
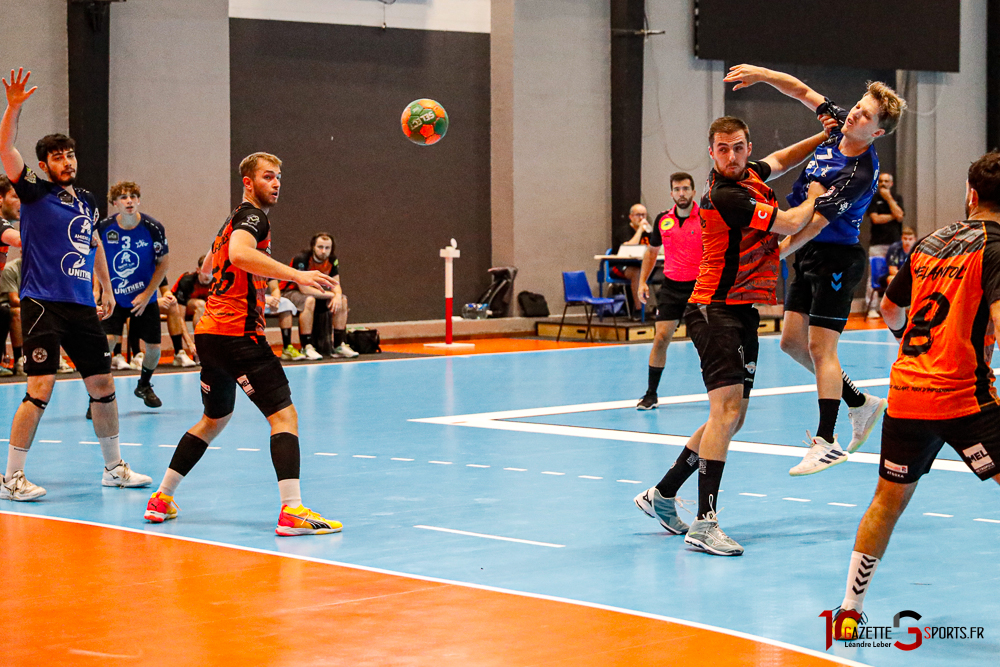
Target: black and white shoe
148, 396
648, 402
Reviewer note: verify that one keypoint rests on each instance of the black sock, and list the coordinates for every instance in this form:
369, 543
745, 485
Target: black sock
654, 379
850, 393
178, 341
305, 339
17, 353
828, 409
683, 467
286, 337
285, 455
709, 479
339, 336
189, 451
144, 376
118, 348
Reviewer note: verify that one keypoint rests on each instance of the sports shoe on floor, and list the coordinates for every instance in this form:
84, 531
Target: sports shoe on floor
183, 360
118, 363
863, 420
5, 372
821, 455
291, 354
123, 476
64, 367
848, 630
344, 351
136, 363
648, 402
19, 366
874, 315
20, 489
706, 535
310, 353
90, 415
160, 508
303, 521
148, 396
664, 510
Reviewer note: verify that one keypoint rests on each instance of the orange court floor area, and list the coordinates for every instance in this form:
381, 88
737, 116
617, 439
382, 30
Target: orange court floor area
94, 595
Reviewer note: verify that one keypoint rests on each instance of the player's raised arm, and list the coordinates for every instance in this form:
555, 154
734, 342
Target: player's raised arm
243, 254
745, 76
13, 164
787, 158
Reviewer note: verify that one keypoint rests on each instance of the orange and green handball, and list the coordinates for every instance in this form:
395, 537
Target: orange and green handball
424, 122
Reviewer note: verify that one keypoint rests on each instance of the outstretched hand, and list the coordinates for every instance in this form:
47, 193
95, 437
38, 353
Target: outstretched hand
745, 76
316, 279
16, 94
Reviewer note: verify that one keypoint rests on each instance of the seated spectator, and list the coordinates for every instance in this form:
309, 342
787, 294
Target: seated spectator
899, 251
319, 257
10, 213
275, 304
10, 312
643, 230
191, 291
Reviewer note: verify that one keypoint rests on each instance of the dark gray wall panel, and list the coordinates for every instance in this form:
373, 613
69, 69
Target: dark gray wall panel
327, 100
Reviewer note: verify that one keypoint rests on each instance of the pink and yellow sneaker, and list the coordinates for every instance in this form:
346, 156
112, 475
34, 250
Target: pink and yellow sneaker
303, 521
160, 508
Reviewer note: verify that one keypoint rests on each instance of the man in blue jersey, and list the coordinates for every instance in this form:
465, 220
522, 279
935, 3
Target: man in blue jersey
829, 261
60, 257
136, 247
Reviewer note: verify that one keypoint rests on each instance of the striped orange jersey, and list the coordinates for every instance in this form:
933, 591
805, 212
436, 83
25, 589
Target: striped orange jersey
235, 305
739, 263
948, 283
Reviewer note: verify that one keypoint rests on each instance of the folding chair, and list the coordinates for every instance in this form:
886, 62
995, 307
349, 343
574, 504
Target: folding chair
576, 292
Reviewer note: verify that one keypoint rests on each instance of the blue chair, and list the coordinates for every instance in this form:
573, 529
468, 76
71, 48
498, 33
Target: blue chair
879, 270
604, 277
576, 292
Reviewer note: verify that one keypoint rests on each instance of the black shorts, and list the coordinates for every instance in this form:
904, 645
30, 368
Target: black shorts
726, 340
672, 298
909, 446
146, 327
826, 275
47, 325
244, 360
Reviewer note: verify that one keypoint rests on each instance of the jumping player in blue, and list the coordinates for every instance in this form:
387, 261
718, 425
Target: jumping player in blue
136, 247
829, 261
60, 257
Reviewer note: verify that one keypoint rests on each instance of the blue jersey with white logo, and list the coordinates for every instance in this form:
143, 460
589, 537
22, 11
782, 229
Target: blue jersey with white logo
57, 241
132, 255
850, 183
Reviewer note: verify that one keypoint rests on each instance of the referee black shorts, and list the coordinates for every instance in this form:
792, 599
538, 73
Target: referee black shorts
672, 298
826, 275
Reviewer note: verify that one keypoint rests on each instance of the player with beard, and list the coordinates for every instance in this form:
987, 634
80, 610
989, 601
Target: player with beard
60, 257
234, 351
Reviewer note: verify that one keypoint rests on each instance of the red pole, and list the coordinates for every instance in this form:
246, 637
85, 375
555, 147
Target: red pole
447, 319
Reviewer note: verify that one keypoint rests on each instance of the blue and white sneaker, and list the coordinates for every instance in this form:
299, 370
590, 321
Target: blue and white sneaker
664, 510
821, 455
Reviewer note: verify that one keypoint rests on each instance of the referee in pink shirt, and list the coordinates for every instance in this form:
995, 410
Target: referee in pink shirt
679, 229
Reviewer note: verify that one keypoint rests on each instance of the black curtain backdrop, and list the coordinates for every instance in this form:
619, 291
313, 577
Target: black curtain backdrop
327, 100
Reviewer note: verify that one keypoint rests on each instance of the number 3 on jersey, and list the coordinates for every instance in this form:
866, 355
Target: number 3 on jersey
919, 336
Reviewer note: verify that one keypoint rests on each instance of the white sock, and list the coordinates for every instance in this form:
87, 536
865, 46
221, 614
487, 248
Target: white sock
859, 575
15, 460
289, 491
171, 480
110, 450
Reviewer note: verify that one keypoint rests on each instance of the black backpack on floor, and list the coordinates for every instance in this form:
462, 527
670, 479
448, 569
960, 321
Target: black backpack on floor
532, 305
499, 294
364, 341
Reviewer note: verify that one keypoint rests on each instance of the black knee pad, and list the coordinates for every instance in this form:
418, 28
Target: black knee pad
107, 399
28, 398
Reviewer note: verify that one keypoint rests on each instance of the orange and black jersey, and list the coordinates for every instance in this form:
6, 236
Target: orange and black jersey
948, 283
739, 263
235, 305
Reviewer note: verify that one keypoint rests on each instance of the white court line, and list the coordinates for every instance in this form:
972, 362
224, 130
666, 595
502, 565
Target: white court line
398, 459
463, 584
798, 500
246, 449
549, 472
588, 477
324, 454
842, 504
165, 446
755, 495
628, 481
363, 456
441, 463
56, 442
475, 465
215, 447
130, 444
987, 520
492, 537
91, 442
943, 516
517, 469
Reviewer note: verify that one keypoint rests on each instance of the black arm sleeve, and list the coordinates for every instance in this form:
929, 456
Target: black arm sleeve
991, 272
252, 220
900, 290
830, 108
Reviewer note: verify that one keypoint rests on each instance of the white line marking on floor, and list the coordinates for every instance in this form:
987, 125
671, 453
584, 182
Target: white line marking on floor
363, 456
441, 463
215, 447
987, 520
475, 465
842, 504
943, 516
324, 454
4, 440
246, 449
92, 442
549, 472
492, 537
589, 477
798, 500
130, 444
628, 481
755, 495
55, 442
397, 459
167, 446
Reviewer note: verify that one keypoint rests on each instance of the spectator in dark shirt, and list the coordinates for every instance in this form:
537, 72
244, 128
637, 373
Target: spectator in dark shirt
642, 231
886, 216
900, 250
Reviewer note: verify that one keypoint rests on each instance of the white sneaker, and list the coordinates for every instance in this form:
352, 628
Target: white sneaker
118, 363
123, 476
863, 420
183, 360
310, 353
137, 362
20, 489
344, 351
821, 455
873, 315
63, 366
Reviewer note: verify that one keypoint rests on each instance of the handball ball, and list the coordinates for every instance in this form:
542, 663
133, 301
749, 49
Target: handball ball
425, 122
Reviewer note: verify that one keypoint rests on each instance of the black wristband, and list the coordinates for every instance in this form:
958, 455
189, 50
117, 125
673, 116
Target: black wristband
898, 333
